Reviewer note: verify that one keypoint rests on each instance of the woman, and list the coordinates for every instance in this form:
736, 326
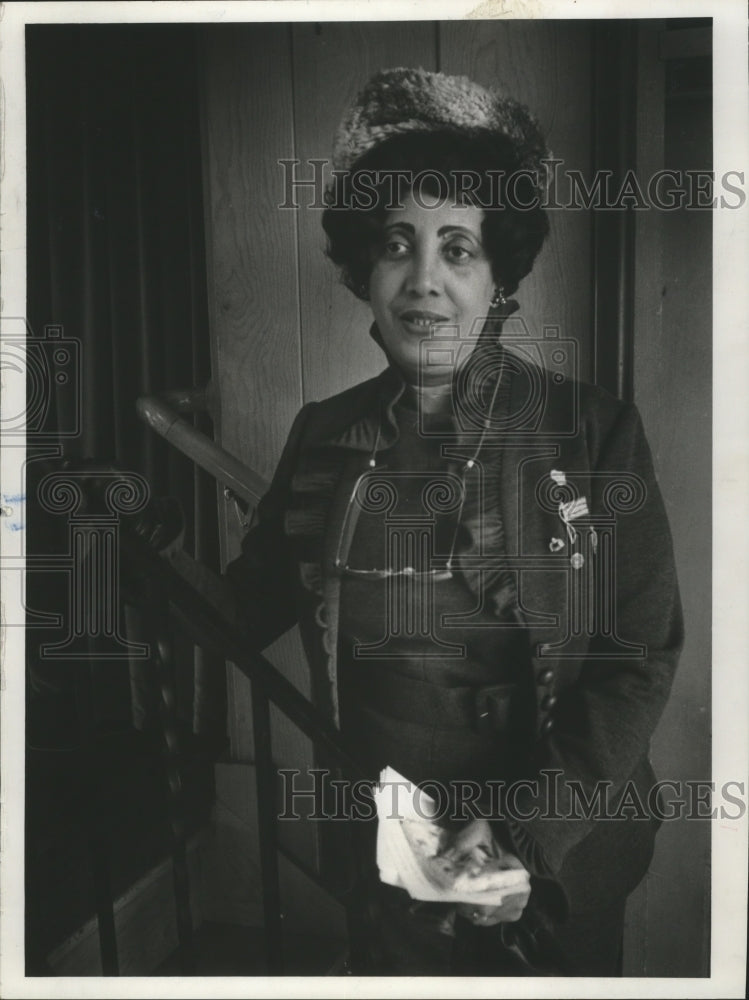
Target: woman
446, 535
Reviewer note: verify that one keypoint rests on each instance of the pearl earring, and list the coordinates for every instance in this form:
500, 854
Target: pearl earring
498, 299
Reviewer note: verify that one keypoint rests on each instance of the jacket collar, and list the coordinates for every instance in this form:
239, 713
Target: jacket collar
356, 417
362, 418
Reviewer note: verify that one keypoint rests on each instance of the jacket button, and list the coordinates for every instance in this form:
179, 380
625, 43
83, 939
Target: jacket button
546, 677
549, 701
547, 725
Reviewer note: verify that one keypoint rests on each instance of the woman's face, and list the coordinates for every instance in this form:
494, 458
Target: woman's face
429, 270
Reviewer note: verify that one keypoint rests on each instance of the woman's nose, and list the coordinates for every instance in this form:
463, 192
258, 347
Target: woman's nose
423, 275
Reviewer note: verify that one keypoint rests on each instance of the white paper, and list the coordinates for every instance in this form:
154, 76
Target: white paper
409, 847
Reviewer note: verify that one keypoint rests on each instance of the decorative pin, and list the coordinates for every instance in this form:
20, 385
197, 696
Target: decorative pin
571, 510
577, 560
559, 477
556, 544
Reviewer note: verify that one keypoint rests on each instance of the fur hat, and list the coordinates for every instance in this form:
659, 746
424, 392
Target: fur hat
396, 101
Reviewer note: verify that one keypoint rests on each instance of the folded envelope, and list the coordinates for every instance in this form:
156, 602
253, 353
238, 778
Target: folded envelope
411, 845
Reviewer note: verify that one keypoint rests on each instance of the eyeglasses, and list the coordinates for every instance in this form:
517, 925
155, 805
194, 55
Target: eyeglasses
387, 491
380, 486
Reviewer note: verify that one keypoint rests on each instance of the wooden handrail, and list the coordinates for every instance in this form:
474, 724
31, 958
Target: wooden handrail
162, 418
206, 625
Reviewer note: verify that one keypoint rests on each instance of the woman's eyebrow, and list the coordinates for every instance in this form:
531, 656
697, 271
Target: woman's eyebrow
446, 230
442, 231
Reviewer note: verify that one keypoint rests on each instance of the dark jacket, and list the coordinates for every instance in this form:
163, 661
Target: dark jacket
600, 679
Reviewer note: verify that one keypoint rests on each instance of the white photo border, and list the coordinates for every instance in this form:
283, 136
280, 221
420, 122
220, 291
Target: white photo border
730, 493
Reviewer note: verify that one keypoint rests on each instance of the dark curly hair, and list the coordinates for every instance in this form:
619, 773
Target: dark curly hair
514, 226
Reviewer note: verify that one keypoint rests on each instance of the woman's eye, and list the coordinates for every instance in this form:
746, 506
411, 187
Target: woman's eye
396, 248
458, 253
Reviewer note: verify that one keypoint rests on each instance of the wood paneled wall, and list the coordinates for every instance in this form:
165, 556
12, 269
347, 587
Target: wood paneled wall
673, 389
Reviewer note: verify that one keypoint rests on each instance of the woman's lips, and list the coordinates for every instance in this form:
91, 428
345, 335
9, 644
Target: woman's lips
421, 322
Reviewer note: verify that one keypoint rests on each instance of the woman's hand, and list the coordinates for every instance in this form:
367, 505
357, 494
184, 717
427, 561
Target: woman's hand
510, 910
477, 836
